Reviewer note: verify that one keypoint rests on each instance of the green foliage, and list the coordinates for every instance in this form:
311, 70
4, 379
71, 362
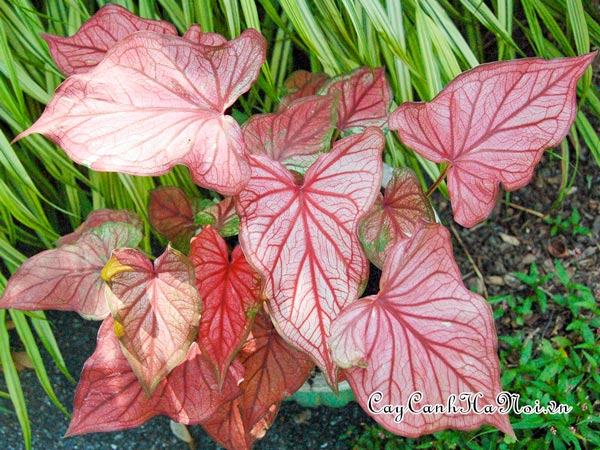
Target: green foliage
571, 224
549, 350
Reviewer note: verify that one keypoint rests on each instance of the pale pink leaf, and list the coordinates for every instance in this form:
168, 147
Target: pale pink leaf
396, 215
302, 84
492, 125
97, 218
68, 278
294, 134
230, 292
423, 332
301, 235
171, 214
197, 36
109, 396
156, 101
86, 48
364, 98
156, 308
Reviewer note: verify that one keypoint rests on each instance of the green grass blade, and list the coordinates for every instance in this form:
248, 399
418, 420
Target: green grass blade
46, 336
26, 336
11, 377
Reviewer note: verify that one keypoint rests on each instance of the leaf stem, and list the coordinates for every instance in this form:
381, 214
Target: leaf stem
527, 210
439, 180
334, 136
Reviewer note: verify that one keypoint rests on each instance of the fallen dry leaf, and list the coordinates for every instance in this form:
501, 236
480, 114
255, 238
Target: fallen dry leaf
557, 247
22, 361
509, 239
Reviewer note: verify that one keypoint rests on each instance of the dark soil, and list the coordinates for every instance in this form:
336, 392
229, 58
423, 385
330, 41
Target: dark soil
510, 241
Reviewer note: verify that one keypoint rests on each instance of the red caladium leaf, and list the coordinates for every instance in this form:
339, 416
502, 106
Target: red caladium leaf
84, 50
273, 370
156, 308
172, 215
424, 332
68, 278
221, 216
230, 292
109, 396
195, 34
492, 125
99, 217
302, 84
301, 235
294, 134
364, 98
396, 215
228, 429
106, 120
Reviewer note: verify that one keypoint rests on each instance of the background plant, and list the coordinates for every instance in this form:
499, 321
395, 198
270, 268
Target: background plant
422, 45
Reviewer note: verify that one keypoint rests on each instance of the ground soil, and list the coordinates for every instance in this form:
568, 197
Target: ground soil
510, 241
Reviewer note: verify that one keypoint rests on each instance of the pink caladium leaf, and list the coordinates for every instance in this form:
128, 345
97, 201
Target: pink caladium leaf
107, 120
364, 98
273, 370
84, 50
109, 396
302, 84
423, 332
301, 235
197, 36
97, 218
492, 125
156, 308
396, 215
221, 216
68, 278
230, 292
172, 215
294, 134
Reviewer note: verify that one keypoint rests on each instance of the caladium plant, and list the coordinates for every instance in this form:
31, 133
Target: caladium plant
219, 335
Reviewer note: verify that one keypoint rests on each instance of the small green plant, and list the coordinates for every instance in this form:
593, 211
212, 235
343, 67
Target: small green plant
571, 224
553, 357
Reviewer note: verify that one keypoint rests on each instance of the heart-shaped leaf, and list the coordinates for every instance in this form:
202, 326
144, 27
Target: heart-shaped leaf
109, 396
396, 215
221, 216
301, 235
294, 134
156, 308
272, 371
492, 125
302, 84
227, 427
364, 98
423, 332
230, 292
85, 49
99, 217
172, 215
68, 278
106, 120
